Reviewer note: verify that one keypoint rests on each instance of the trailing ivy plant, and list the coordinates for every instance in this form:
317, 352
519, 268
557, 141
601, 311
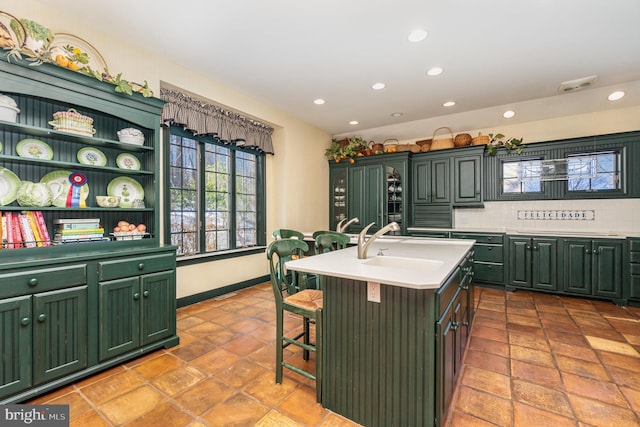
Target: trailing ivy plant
498, 140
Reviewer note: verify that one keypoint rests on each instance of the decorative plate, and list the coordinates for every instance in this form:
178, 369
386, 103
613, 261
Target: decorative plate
58, 183
12, 32
91, 156
128, 161
127, 188
34, 149
77, 51
9, 183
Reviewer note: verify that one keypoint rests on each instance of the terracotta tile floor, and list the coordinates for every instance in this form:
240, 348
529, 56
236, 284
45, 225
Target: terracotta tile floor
533, 360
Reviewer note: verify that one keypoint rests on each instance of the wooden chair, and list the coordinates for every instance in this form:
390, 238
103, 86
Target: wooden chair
291, 295
326, 241
284, 233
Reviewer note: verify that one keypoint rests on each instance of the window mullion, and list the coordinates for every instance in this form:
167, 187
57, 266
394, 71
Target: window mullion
232, 200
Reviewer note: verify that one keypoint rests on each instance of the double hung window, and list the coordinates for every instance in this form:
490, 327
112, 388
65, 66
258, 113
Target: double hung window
214, 194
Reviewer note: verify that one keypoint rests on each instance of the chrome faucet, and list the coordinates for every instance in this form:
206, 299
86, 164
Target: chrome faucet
340, 228
363, 245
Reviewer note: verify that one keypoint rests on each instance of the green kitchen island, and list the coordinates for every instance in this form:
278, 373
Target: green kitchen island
395, 326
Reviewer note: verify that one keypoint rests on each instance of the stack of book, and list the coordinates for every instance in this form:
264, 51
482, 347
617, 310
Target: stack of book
25, 229
77, 230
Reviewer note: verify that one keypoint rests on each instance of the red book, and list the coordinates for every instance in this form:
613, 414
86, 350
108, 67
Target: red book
42, 226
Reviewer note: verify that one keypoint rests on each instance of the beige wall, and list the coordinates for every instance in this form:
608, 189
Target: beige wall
293, 200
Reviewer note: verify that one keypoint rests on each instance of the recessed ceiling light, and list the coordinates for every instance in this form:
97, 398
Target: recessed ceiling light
417, 35
449, 104
353, 122
508, 114
378, 86
396, 114
434, 71
318, 101
616, 95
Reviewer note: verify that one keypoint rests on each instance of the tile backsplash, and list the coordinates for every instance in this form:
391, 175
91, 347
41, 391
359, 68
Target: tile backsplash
609, 216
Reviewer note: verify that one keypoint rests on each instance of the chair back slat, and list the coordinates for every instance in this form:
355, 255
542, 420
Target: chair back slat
279, 252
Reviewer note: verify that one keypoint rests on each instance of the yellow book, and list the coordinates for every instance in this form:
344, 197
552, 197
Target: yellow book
33, 222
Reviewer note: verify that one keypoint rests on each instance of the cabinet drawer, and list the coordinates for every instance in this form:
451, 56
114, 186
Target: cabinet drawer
634, 257
635, 269
634, 245
127, 267
487, 272
489, 253
447, 292
39, 280
497, 239
634, 292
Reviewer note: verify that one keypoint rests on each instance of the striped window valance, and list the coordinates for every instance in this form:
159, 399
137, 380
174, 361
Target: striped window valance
201, 118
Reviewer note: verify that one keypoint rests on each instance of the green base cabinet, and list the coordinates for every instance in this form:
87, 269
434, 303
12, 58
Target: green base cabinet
634, 270
533, 263
73, 314
593, 267
488, 257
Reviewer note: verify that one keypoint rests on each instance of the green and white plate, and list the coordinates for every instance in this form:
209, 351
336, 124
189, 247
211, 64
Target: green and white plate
91, 156
58, 183
128, 161
128, 189
9, 184
34, 149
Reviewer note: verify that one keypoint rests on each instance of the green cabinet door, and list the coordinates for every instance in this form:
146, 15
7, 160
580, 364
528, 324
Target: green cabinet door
60, 329
607, 268
577, 266
519, 262
445, 364
119, 316
365, 195
431, 180
467, 180
158, 306
544, 264
15, 344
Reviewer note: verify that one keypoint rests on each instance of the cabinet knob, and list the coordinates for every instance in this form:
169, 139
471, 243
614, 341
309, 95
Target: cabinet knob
588, 252
141, 266
454, 326
136, 296
145, 294
595, 252
528, 247
42, 317
535, 248
489, 249
33, 282
25, 321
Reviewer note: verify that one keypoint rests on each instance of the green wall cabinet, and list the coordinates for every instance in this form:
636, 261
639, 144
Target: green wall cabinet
467, 178
431, 178
593, 267
533, 263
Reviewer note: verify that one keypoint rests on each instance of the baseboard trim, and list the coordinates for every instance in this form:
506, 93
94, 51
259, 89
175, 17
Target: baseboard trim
196, 298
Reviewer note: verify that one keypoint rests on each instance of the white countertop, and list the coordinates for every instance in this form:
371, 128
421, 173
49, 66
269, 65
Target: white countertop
414, 262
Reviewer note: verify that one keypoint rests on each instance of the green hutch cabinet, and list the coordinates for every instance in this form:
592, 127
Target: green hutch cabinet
375, 191
467, 177
70, 310
431, 190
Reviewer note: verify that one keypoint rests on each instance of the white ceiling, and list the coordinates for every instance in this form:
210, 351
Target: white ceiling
496, 54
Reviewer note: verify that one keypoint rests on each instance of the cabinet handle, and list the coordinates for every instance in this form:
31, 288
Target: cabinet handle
33, 282
136, 296
454, 326
145, 294
42, 317
141, 266
25, 321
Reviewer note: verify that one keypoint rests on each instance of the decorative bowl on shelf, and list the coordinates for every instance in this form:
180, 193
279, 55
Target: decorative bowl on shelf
131, 136
129, 235
108, 201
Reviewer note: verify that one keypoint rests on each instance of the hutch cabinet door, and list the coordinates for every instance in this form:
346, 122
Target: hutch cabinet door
467, 179
59, 333
158, 306
119, 316
15, 345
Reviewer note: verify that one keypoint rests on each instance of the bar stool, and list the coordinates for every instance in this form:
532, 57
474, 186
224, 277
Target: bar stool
326, 241
284, 233
291, 295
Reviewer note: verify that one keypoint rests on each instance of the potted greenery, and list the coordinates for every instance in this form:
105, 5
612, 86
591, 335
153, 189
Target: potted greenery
498, 140
339, 150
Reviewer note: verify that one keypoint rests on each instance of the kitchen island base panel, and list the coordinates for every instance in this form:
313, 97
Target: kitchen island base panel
379, 358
